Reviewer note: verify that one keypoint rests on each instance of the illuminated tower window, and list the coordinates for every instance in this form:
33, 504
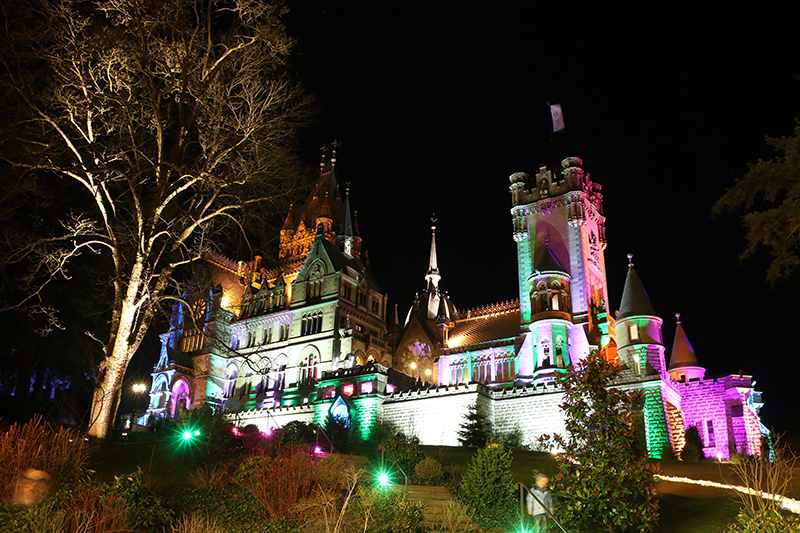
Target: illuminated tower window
633, 332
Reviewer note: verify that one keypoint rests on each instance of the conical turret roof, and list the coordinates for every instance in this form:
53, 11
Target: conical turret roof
635, 301
682, 353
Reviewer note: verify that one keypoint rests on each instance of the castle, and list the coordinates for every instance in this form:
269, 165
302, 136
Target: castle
313, 336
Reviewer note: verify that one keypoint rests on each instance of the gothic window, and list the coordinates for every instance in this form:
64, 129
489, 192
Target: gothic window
308, 371
199, 310
737, 411
555, 305
546, 351
230, 381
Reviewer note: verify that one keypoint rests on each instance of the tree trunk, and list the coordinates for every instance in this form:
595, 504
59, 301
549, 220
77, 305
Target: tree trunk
106, 399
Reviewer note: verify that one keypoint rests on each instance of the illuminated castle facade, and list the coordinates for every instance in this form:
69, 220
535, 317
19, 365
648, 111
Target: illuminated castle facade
311, 337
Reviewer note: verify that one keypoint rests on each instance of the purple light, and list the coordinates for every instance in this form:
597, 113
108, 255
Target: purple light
317, 450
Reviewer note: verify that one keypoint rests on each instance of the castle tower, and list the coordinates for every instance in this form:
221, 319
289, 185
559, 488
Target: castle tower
560, 233
640, 345
683, 364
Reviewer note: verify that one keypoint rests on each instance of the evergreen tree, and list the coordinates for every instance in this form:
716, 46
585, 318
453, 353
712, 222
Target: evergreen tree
475, 430
769, 196
603, 484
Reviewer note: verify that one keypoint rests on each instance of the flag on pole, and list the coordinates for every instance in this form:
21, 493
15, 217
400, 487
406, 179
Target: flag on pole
558, 117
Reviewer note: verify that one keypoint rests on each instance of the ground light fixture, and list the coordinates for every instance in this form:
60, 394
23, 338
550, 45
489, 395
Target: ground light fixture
383, 479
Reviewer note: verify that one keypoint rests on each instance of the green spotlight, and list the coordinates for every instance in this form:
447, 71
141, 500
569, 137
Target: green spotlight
383, 479
187, 435
196, 432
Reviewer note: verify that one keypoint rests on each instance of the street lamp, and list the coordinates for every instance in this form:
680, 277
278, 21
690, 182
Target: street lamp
139, 388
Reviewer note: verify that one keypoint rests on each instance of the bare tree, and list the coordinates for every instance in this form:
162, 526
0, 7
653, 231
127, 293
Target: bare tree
170, 116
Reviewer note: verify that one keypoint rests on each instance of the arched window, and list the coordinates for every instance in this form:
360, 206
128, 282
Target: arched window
181, 397
230, 380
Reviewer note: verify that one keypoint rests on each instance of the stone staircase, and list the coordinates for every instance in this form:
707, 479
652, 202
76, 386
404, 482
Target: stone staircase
442, 512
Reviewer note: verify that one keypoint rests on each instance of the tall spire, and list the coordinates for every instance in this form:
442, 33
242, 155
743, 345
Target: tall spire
345, 236
433, 277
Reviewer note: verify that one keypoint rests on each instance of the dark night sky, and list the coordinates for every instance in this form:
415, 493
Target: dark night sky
437, 103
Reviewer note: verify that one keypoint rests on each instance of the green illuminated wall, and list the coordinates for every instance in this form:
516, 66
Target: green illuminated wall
655, 423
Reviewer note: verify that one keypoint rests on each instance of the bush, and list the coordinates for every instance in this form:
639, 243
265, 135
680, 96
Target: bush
215, 435
514, 439
406, 452
764, 521
487, 488
429, 469
147, 510
383, 431
297, 432
388, 510
278, 480
233, 510
693, 448
61, 452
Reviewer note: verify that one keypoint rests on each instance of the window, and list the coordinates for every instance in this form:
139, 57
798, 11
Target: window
284, 332
376, 306
347, 291
311, 324
267, 334
633, 332
710, 433
737, 411
230, 381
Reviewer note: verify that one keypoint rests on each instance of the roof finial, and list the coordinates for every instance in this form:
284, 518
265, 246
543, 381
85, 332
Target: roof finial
433, 222
630, 260
324, 149
547, 242
678, 316
334, 145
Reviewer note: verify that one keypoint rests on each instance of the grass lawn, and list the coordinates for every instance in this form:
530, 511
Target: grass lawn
684, 508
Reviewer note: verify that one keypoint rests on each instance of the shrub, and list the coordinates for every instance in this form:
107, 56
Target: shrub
388, 510
514, 439
603, 483
475, 430
764, 521
297, 432
61, 452
382, 431
487, 488
429, 469
693, 448
278, 480
233, 510
147, 510
772, 475
406, 452
215, 433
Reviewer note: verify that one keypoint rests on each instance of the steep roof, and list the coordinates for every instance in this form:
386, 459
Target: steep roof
635, 301
549, 263
682, 353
